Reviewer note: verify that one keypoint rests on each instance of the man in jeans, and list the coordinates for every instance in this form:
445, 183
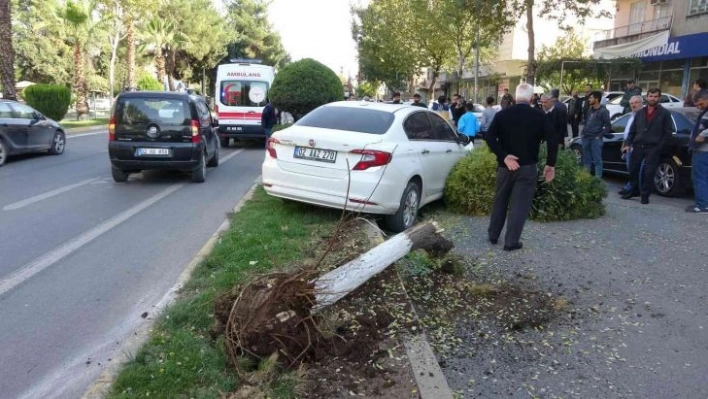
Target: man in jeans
635, 104
597, 125
698, 144
651, 128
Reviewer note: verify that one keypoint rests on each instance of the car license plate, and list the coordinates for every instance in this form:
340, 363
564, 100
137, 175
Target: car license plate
235, 128
315, 154
152, 151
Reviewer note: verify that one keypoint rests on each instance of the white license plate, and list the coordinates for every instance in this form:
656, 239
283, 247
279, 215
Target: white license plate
315, 154
235, 128
152, 151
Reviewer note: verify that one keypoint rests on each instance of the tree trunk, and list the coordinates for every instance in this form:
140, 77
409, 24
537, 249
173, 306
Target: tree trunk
171, 56
339, 282
7, 52
531, 63
82, 108
431, 89
160, 66
112, 69
130, 52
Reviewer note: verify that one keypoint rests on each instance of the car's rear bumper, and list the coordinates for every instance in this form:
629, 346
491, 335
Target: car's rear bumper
183, 156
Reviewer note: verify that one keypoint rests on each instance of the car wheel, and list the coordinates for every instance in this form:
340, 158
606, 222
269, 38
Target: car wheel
119, 175
667, 180
407, 212
199, 175
214, 161
225, 142
58, 143
3, 153
578, 152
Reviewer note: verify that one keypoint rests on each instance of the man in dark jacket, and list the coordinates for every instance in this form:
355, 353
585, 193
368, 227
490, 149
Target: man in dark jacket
268, 118
631, 91
651, 128
559, 117
575, 113
515, 136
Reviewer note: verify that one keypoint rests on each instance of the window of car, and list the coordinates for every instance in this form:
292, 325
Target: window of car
204, 114
5, 111
443, 131
360, 120
620, 124
684, 122
23, 111
244, 93
418, 127
133, 111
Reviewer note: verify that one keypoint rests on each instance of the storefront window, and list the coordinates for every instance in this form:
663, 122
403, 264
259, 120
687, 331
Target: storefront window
671, 82
651, 66
700, 62
673, 64
698, 74
647, 80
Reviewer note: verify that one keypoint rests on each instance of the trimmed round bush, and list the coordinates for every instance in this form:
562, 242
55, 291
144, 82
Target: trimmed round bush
51, 100
573, 194
301, 86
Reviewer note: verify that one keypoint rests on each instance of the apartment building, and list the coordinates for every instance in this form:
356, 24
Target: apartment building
670, 37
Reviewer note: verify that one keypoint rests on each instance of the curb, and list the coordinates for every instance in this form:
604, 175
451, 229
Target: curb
132, 344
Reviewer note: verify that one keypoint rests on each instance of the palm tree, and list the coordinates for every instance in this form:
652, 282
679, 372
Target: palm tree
158, 34
7, 52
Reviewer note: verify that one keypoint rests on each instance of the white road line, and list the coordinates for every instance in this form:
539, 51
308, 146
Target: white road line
233, 154
71, 136
29, 270
49, 194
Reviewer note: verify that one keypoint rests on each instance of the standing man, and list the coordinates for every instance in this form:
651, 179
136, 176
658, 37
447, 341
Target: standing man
416, 101
560, 117
515, 136
698, 85
597, 124
586, 103
631, 90
457, 109
268, 119
468, 124
651, 127
575, 113
635, 104
698, 144
396, 98
487, 116
507, 100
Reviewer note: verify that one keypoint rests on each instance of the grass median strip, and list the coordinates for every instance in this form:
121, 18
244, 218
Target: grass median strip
181, 358
68, 124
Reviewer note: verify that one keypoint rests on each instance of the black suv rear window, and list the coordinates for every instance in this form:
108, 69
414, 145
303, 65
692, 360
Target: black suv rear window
350, 119
132, 111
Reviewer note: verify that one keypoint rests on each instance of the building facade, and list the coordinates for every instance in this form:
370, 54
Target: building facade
670, 37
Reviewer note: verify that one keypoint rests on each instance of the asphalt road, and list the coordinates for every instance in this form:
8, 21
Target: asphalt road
82, 258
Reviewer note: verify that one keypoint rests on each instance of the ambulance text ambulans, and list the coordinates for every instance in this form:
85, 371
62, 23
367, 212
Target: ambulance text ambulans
240, 95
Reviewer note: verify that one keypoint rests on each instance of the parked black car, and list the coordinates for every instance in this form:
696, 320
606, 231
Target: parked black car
161, 130
673, 176
23, 129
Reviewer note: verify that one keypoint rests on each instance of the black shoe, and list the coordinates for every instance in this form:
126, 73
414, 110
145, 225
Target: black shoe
630, 194
514, 247
493, 241
623, 191
645, 200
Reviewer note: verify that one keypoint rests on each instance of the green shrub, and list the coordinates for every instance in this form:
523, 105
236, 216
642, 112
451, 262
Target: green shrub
301, 86
573, 194
51, 100
150, 83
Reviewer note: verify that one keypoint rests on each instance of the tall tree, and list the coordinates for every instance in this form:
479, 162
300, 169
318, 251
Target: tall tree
132, 11
7, 52
569, 48
158, 35
256, 38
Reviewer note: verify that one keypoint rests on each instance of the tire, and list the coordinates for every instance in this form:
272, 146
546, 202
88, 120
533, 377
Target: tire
578, 152
58, 143
667, 179
224, 142
120, 176
199, 174
3, 153
405, 216
214, 161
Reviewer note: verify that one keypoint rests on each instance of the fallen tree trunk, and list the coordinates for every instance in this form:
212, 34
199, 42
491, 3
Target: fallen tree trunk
336, 284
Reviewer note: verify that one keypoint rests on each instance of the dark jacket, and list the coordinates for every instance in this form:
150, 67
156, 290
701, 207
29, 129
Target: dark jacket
597, 123
457, 112
559, 120
268, 117
629, 93
418, 104
650, 133
575, 109
585, 106
519, 130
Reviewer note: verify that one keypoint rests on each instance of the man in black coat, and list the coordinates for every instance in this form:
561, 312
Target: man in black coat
575, 113
651, 128
515, 137
559, 116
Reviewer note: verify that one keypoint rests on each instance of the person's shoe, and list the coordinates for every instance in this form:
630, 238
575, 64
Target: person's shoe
630, 194
645, 200
696, 209
514, 247
623, 191
493, 240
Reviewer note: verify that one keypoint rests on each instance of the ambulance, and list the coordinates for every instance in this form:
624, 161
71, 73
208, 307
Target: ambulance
241, 93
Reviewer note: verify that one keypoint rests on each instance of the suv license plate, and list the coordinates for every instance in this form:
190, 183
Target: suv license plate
315, 154
152, 151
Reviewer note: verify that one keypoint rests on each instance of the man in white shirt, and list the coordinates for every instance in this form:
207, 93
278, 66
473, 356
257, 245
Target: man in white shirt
635, 104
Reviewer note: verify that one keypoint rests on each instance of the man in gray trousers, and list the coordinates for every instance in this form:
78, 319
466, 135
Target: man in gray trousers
515, 136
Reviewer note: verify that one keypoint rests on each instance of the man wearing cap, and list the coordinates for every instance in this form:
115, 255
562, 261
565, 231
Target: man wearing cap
631, 90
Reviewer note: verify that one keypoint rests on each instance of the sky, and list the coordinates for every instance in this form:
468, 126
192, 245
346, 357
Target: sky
318, 29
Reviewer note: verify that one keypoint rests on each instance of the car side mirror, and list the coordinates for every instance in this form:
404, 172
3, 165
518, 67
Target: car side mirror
214, 123
463, 139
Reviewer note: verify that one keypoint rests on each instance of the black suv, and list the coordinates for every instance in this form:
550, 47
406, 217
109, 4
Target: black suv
161, 130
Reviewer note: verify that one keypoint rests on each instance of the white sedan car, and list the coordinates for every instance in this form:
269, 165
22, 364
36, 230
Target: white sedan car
377, 158
666, 101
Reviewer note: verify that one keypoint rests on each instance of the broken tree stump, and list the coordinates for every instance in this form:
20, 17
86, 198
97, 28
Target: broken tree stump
336, 284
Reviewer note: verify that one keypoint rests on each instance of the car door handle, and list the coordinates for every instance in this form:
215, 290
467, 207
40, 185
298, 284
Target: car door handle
425, 152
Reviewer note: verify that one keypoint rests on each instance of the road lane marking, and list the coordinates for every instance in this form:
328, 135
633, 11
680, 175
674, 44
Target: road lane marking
71, 136
29, 270
233, 154
49, 194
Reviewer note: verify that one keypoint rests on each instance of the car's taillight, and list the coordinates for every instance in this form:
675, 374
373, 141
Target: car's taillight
112, 129
371, 158
195, 131
270, 147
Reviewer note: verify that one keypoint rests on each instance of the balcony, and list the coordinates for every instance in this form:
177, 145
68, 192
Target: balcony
630, 33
